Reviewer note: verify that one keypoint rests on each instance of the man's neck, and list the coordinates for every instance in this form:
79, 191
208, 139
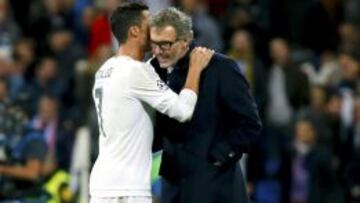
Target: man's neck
131, 50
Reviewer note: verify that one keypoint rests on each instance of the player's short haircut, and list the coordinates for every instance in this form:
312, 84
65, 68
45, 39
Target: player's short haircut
171, 16
124, 17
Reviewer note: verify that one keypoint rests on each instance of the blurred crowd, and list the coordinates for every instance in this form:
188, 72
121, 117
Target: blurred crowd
300, 57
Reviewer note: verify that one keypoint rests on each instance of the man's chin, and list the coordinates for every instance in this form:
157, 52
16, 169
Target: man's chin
164, 64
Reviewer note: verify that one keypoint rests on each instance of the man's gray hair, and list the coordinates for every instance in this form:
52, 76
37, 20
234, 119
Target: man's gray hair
171, 16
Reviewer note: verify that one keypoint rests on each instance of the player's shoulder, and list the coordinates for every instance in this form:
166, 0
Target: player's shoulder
123, 64
104, 69
138, 71
109, 63
143, 67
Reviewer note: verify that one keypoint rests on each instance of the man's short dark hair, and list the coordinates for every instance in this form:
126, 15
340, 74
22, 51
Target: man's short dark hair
125, 16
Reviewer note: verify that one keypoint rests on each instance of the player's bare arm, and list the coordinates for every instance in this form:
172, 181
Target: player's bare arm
199, 59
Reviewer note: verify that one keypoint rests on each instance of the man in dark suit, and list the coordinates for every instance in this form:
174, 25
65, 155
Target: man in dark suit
200, 158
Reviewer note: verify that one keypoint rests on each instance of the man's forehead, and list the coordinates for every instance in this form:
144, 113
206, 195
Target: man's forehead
163, 33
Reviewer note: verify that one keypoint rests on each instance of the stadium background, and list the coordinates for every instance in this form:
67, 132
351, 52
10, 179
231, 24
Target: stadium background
301, 58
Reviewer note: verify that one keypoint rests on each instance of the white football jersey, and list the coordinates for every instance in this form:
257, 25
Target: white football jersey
121, 85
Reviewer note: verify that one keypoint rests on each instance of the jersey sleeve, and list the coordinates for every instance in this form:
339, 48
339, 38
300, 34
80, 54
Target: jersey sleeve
148, 87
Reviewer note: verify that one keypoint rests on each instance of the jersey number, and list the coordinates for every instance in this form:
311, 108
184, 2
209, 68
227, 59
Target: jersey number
99, 95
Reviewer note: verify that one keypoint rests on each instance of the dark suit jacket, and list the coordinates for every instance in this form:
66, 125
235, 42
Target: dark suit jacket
224, 124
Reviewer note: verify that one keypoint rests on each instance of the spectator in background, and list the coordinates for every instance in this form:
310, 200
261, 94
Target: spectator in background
349, 34
242, 51
332, 118
46, 16
24, 55
22, 71
73, 11
59, 139
317, 110
67, 53
206, 31
326, 103
239, 16
287, 92
21, 171
288, 87
308, 176
350, 71
46, 80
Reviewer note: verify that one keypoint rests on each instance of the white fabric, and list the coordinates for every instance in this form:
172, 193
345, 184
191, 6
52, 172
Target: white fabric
80, 164
327, 74
121, 85
347, 107
279, 109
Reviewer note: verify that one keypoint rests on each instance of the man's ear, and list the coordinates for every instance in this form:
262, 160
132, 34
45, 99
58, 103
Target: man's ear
134, 31
191, 37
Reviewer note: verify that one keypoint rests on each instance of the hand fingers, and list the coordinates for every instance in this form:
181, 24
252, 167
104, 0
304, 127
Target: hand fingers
201, 56
205, 52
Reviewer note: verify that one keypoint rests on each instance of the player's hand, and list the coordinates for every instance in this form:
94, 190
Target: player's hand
200, 57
